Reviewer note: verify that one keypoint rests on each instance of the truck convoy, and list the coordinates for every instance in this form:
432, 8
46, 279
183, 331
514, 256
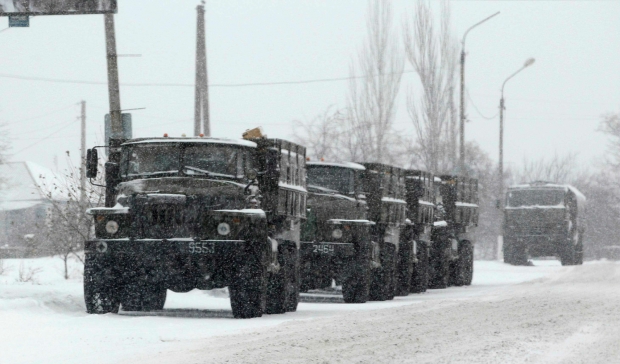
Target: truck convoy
544, 219
186, 213
204, 213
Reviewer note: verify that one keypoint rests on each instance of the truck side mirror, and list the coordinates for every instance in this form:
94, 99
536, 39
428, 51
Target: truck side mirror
92, 161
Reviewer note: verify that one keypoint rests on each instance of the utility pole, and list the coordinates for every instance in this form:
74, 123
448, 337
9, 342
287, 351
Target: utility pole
83, 154
113, 84
201, 99
116, 132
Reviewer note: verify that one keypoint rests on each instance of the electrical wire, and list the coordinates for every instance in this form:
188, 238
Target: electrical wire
249, 84
42, 115
476, 107
45, 138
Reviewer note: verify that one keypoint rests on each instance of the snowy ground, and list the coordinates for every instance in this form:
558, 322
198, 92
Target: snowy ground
541, 314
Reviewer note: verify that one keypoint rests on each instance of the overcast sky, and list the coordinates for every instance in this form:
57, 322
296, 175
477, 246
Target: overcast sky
553, 106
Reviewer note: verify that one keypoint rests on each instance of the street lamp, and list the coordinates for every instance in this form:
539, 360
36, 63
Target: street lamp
527, 63
462, 123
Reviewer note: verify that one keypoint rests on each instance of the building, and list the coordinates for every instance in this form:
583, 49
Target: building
24, 207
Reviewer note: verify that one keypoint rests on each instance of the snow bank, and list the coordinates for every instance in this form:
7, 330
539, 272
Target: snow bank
49, 315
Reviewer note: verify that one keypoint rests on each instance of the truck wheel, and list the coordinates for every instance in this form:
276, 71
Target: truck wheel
292, 280
519, 254
281, 285
419, 278
507, 252
579, 252
569, 253
356, 277
101, 285
439, 265
382, 285
248, 290
466, 262
404, 268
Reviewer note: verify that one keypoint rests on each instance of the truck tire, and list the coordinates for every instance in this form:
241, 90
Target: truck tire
568, 255
248, 290
439, 265
404, 268
507, 252
579, 251
419, 278
276, 290
101, 285
517, 254
461, 272
356, 276
292, 292
382, 284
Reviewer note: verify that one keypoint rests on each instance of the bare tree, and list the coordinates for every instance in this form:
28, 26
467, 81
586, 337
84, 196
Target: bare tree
433, 55
68, 225
371, 104
559, 169
321, 134
610, 125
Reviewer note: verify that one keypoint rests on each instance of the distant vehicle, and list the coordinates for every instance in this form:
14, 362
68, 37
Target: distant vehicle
544, 219
384, 189
414, 250
335, 238
452, 247
186, 213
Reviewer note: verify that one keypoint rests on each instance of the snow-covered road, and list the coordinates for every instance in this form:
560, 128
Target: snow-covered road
546, 313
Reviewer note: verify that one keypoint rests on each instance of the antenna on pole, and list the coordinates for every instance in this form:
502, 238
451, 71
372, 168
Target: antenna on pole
201, 99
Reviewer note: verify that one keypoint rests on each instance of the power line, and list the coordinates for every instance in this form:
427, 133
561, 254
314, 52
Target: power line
45, 138
41, 116
476, 107
249, 84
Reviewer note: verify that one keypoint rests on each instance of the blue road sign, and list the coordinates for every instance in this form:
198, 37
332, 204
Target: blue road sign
19, 21
127, 131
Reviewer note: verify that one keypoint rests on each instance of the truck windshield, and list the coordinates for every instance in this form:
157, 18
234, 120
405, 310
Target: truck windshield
151, 159
520, 198
336, 179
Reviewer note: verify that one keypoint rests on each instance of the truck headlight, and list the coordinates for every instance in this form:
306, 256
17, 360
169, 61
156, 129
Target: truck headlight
337, 234
223, 228
111, 227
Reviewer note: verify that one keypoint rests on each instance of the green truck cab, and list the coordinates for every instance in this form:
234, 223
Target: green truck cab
335, 241
544, 219
205, 213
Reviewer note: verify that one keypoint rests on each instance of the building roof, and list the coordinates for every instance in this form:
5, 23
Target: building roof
21, 183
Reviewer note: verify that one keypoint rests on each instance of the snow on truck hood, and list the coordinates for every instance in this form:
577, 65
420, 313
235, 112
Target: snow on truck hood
533, 186
350, 165
240, 142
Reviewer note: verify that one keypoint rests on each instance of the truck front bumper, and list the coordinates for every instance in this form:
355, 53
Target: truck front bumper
181, 246
540, 245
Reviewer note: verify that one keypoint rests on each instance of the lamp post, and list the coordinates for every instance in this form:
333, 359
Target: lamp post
462, 122
527, 63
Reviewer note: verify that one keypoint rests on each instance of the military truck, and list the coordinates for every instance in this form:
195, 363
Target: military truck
335, 239
415, 243
452, 247
544, 219
384, 188
205, 213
